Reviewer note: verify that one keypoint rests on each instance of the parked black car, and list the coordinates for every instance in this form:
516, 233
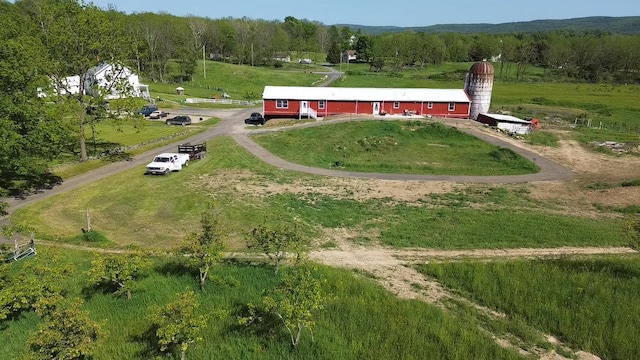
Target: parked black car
255, 119
179, 120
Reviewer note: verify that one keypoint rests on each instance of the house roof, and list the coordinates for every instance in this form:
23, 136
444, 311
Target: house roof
99, 68
507, 118
364, 94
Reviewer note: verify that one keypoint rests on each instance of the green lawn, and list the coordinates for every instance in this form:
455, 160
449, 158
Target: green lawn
360, 321
590, 304
394, 147
158, 211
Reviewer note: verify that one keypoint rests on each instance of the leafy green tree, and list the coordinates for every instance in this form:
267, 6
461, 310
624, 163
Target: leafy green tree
77, 37
333, 53
458, 46
205, 247
364, 48
32, 132
294, 302
36, 287
483, 47
118, 272
67, 333
279, 243
177, 325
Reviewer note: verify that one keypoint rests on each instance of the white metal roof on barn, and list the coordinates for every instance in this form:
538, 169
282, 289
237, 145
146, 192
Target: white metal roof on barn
364, 94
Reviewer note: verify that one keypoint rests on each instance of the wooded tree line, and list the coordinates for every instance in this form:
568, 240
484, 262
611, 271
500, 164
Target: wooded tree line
582, 56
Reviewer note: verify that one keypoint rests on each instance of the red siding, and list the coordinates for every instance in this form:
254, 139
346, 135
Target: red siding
461, 110
340, 107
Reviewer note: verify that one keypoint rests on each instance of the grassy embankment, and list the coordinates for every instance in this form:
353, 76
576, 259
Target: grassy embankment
360, 320
395, 147
588, 303
157, 211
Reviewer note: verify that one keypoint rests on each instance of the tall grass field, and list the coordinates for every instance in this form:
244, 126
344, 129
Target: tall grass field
360, 319
589, 303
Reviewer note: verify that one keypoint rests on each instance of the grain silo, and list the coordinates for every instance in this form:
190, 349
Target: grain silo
478, 85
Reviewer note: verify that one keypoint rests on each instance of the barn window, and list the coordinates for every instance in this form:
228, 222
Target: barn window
320, 104
452, 106
282, 104
396, 104
429, 105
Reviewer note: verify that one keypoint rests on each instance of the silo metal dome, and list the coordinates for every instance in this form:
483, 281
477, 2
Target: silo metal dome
482, 68
479, 84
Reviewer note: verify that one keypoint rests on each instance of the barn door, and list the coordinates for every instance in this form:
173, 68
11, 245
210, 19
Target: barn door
376, 108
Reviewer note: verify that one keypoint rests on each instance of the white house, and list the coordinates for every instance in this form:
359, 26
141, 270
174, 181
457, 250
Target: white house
106, 79
282, 57
349, 56
117, 81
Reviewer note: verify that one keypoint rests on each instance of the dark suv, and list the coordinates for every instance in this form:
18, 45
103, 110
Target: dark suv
179, 120
255, 118
148, 109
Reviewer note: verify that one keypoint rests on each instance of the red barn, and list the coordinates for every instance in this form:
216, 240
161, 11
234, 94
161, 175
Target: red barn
294, 101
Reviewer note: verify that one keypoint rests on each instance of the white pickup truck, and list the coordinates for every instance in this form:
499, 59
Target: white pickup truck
167, 162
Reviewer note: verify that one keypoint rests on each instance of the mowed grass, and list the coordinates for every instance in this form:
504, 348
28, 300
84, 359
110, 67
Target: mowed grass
360, 321
134, 136
412, 147
158, 211
589, 303
241, 82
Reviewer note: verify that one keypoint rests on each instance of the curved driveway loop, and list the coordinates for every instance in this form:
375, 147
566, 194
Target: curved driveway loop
548, 169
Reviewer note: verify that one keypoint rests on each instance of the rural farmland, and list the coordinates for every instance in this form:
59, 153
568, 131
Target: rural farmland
369, 216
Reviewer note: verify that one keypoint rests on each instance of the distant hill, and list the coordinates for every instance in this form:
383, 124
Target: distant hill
618, 25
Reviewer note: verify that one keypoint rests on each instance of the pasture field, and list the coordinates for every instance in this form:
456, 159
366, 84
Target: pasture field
395, 147
241, 82
134, 136
588, 303
158, 211
360, 319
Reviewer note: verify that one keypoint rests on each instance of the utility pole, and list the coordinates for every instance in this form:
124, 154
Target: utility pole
251, 54
204, 62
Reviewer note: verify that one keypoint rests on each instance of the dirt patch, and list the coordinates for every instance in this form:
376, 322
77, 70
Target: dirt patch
341, 188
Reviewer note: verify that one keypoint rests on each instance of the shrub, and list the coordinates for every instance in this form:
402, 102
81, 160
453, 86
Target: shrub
94, 236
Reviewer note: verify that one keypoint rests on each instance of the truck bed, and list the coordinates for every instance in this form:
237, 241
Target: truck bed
196, 151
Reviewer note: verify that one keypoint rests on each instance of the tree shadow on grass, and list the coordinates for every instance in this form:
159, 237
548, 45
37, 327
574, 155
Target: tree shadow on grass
266, 326
89, 291
176, 268
149, 341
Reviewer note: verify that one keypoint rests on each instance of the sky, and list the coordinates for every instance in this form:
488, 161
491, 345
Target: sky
385, 12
